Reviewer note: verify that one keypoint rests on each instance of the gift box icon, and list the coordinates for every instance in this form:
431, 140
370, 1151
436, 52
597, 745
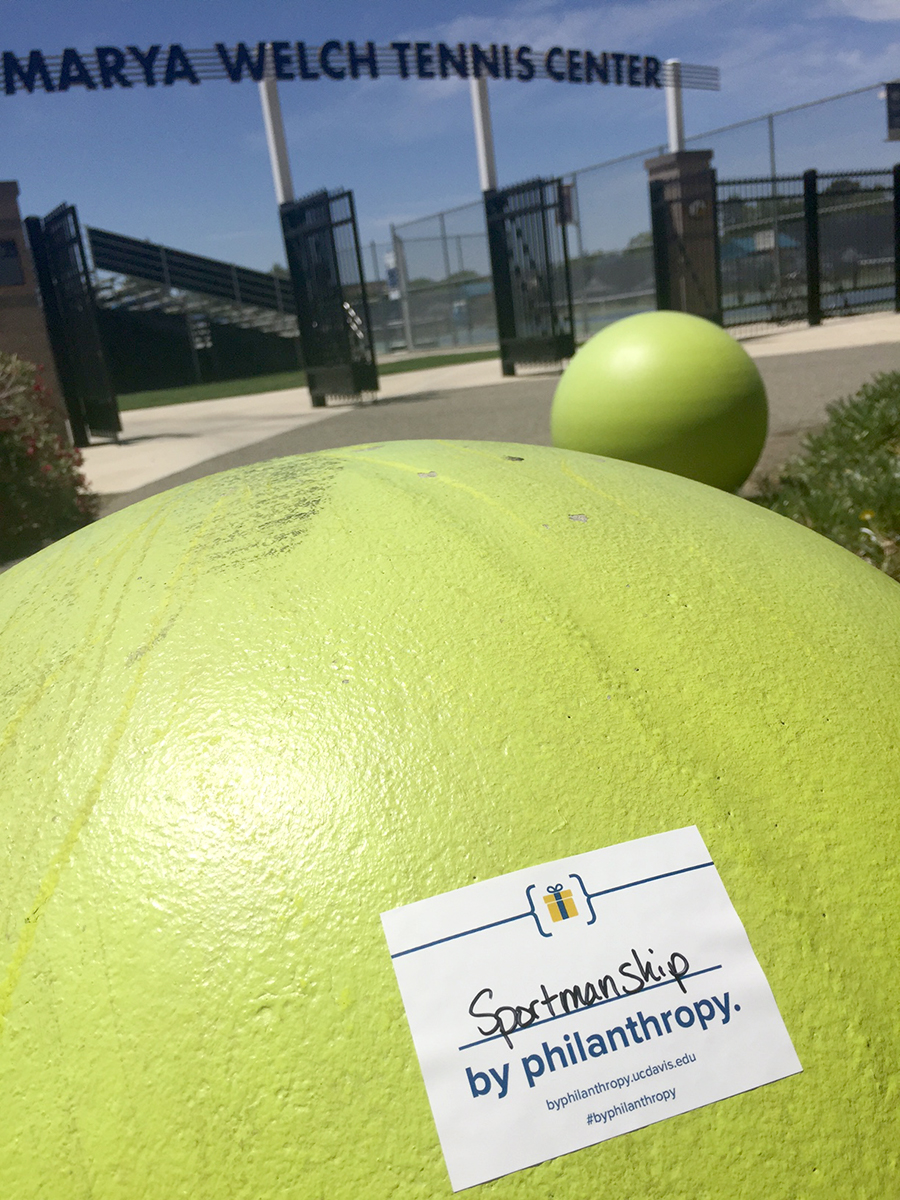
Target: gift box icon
560, 903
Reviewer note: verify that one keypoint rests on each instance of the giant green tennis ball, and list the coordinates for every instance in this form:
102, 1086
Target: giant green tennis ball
240, 720
668, 390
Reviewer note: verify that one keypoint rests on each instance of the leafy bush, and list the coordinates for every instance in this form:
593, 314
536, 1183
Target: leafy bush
845, 483
43, 495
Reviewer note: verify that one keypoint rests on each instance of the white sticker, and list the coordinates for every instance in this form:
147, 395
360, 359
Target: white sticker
557, 1007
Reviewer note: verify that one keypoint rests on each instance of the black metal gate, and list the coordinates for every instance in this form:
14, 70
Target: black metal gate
69, 310
322, 245
526, 227
764, 244
807, 247
858, 240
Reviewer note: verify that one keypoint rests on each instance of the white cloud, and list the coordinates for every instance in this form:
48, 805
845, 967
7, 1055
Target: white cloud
798, 68
867, 10
617, 26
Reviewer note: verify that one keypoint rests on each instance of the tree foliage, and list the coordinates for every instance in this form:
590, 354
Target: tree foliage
43, 494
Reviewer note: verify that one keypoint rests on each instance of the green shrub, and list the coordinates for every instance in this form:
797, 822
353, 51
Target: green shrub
43, 495
845, 483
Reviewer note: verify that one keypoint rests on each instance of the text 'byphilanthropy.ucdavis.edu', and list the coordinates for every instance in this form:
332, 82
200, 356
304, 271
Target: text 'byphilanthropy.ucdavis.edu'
558, 1006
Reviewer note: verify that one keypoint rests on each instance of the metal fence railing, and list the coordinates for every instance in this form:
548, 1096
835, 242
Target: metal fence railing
803, 248
127, 256
857, 251
610, 243
430, 287
762, 251
443, 265
448, 290
446, 273
167, 318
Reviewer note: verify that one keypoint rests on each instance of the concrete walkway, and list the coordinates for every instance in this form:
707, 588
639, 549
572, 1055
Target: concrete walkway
157, 442
804, 370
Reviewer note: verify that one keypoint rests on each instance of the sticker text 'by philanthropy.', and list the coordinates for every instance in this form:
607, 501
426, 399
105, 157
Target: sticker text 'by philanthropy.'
580, 1046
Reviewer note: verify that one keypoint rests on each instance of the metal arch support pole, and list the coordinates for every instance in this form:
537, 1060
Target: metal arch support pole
674, 106
278, 155
484, 137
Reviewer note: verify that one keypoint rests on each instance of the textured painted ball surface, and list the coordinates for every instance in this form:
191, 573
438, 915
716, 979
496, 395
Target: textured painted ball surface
240, 720
668, 390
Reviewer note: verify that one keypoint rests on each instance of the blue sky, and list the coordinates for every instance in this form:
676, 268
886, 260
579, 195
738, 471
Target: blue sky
188, 166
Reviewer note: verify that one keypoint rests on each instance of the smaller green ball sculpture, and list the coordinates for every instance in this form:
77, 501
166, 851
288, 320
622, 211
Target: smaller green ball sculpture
668, 390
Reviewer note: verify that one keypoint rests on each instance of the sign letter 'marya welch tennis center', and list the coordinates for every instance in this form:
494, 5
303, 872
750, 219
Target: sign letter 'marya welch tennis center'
107, 67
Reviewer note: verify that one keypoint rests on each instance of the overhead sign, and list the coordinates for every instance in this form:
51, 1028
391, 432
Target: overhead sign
110, 67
